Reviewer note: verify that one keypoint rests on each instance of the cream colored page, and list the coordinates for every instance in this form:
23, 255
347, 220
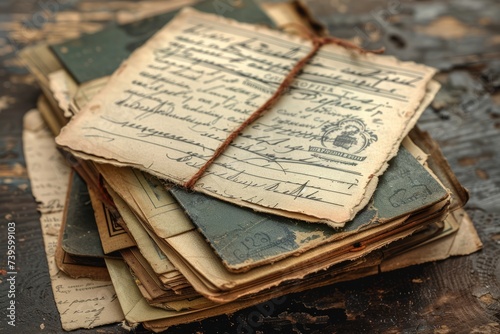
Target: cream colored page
148, 199
158, 261
465, 241
134, 305
176, 99
63, 87
82, 303
86, 92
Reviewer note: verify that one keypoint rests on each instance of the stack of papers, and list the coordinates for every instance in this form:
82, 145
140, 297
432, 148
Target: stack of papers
333, 182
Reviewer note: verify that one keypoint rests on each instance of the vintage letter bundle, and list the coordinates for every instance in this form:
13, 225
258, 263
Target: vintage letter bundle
228, 164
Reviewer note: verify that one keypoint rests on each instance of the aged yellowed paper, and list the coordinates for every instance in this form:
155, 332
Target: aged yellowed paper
63, 87
158, 261
312, 156
82, 303
85, 93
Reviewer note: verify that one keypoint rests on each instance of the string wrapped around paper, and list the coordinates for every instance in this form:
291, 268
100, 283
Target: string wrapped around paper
318, 42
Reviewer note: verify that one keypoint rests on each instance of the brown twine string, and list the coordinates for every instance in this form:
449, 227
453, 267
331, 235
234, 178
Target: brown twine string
318, 42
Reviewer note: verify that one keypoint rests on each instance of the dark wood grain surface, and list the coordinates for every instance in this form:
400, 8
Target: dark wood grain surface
458, 295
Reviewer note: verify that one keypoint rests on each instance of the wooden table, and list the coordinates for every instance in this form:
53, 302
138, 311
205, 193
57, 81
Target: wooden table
458, 295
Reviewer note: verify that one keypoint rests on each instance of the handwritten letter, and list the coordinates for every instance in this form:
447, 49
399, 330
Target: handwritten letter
315, 155
82, 303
